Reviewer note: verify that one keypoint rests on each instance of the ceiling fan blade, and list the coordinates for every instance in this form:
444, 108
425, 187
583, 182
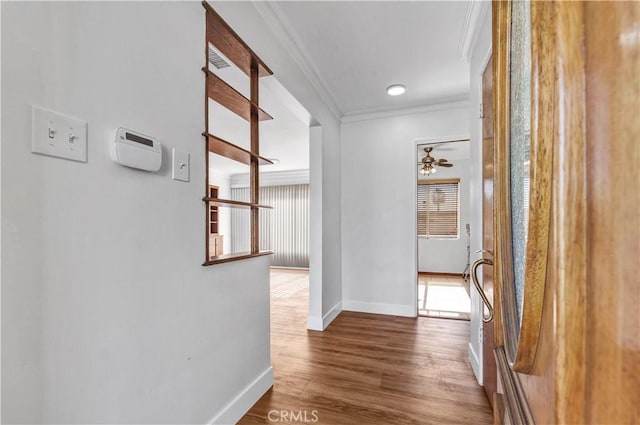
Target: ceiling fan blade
446, 164
442, 161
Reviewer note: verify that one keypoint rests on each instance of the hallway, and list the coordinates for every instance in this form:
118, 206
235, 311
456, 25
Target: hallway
366, 368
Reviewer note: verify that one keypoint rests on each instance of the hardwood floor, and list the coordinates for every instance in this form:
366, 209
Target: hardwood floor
365, 368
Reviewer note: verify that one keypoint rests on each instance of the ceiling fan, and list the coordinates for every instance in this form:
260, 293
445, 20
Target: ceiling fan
428, 162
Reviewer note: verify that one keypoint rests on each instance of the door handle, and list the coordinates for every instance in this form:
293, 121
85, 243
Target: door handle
487, 251
474, 278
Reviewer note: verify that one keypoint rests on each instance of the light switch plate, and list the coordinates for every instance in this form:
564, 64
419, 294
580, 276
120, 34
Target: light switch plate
58, 135
180, 165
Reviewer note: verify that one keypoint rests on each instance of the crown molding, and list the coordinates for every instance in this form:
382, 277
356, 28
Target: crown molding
476, 12
281, 27
453, 102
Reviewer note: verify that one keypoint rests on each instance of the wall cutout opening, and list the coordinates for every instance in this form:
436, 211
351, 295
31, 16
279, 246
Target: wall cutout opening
232, 132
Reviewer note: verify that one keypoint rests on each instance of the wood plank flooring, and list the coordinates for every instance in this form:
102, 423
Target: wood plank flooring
366, 369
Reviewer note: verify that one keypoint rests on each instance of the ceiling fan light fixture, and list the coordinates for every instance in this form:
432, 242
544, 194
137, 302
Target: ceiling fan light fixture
428, 163
396, 89
427, 169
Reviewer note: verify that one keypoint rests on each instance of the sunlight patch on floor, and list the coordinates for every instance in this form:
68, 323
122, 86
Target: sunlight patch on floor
443, 296
448, 298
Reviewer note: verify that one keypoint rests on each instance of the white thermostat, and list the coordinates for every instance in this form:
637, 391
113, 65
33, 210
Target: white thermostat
136, 150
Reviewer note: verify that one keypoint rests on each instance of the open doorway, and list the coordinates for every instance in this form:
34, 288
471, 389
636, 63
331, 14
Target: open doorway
443, 233
284, 179
286, 186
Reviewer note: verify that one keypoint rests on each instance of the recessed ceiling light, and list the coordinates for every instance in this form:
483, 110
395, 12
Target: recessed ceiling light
396, 90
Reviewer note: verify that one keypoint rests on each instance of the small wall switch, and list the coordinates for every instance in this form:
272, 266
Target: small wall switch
58, 135
180, 165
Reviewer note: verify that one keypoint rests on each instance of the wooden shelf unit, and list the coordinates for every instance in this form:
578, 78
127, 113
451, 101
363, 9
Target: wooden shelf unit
213, 212
233, 204
216, 240
225, 258
227, 149
223, 38
220, 91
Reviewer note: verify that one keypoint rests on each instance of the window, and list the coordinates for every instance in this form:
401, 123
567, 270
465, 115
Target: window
438, 209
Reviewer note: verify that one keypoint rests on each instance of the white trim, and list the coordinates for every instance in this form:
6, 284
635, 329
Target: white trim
476, 11
467, 30
272, 14
240, 405
475, 364
414, 210
314, 323
331, 315
414, 218
318, 324
445, 139
485, 7
485, 62
476, 358
314, 310
456, 102
380, 308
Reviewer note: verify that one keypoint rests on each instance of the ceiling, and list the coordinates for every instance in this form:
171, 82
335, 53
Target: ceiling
356, 49
448, 150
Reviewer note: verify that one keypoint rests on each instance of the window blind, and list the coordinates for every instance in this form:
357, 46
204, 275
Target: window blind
438, 209
285, 229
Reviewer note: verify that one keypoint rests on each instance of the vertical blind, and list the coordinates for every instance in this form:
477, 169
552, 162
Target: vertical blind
284, 229
438, 209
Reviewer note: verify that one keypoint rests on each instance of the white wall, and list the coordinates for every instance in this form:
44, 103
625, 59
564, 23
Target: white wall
315, 317
479, 56
107, 314
448, 255
379, 254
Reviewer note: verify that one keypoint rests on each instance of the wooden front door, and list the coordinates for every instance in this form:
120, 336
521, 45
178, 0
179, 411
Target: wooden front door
570, 351
488, 361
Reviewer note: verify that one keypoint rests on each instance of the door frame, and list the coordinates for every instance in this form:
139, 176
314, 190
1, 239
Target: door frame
315, 319
479, 310
487, 211
417, 142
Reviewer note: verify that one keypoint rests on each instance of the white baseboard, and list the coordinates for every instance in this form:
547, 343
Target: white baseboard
474, 359
380, 308
240, 405
320, 324
331, 315
314, 323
